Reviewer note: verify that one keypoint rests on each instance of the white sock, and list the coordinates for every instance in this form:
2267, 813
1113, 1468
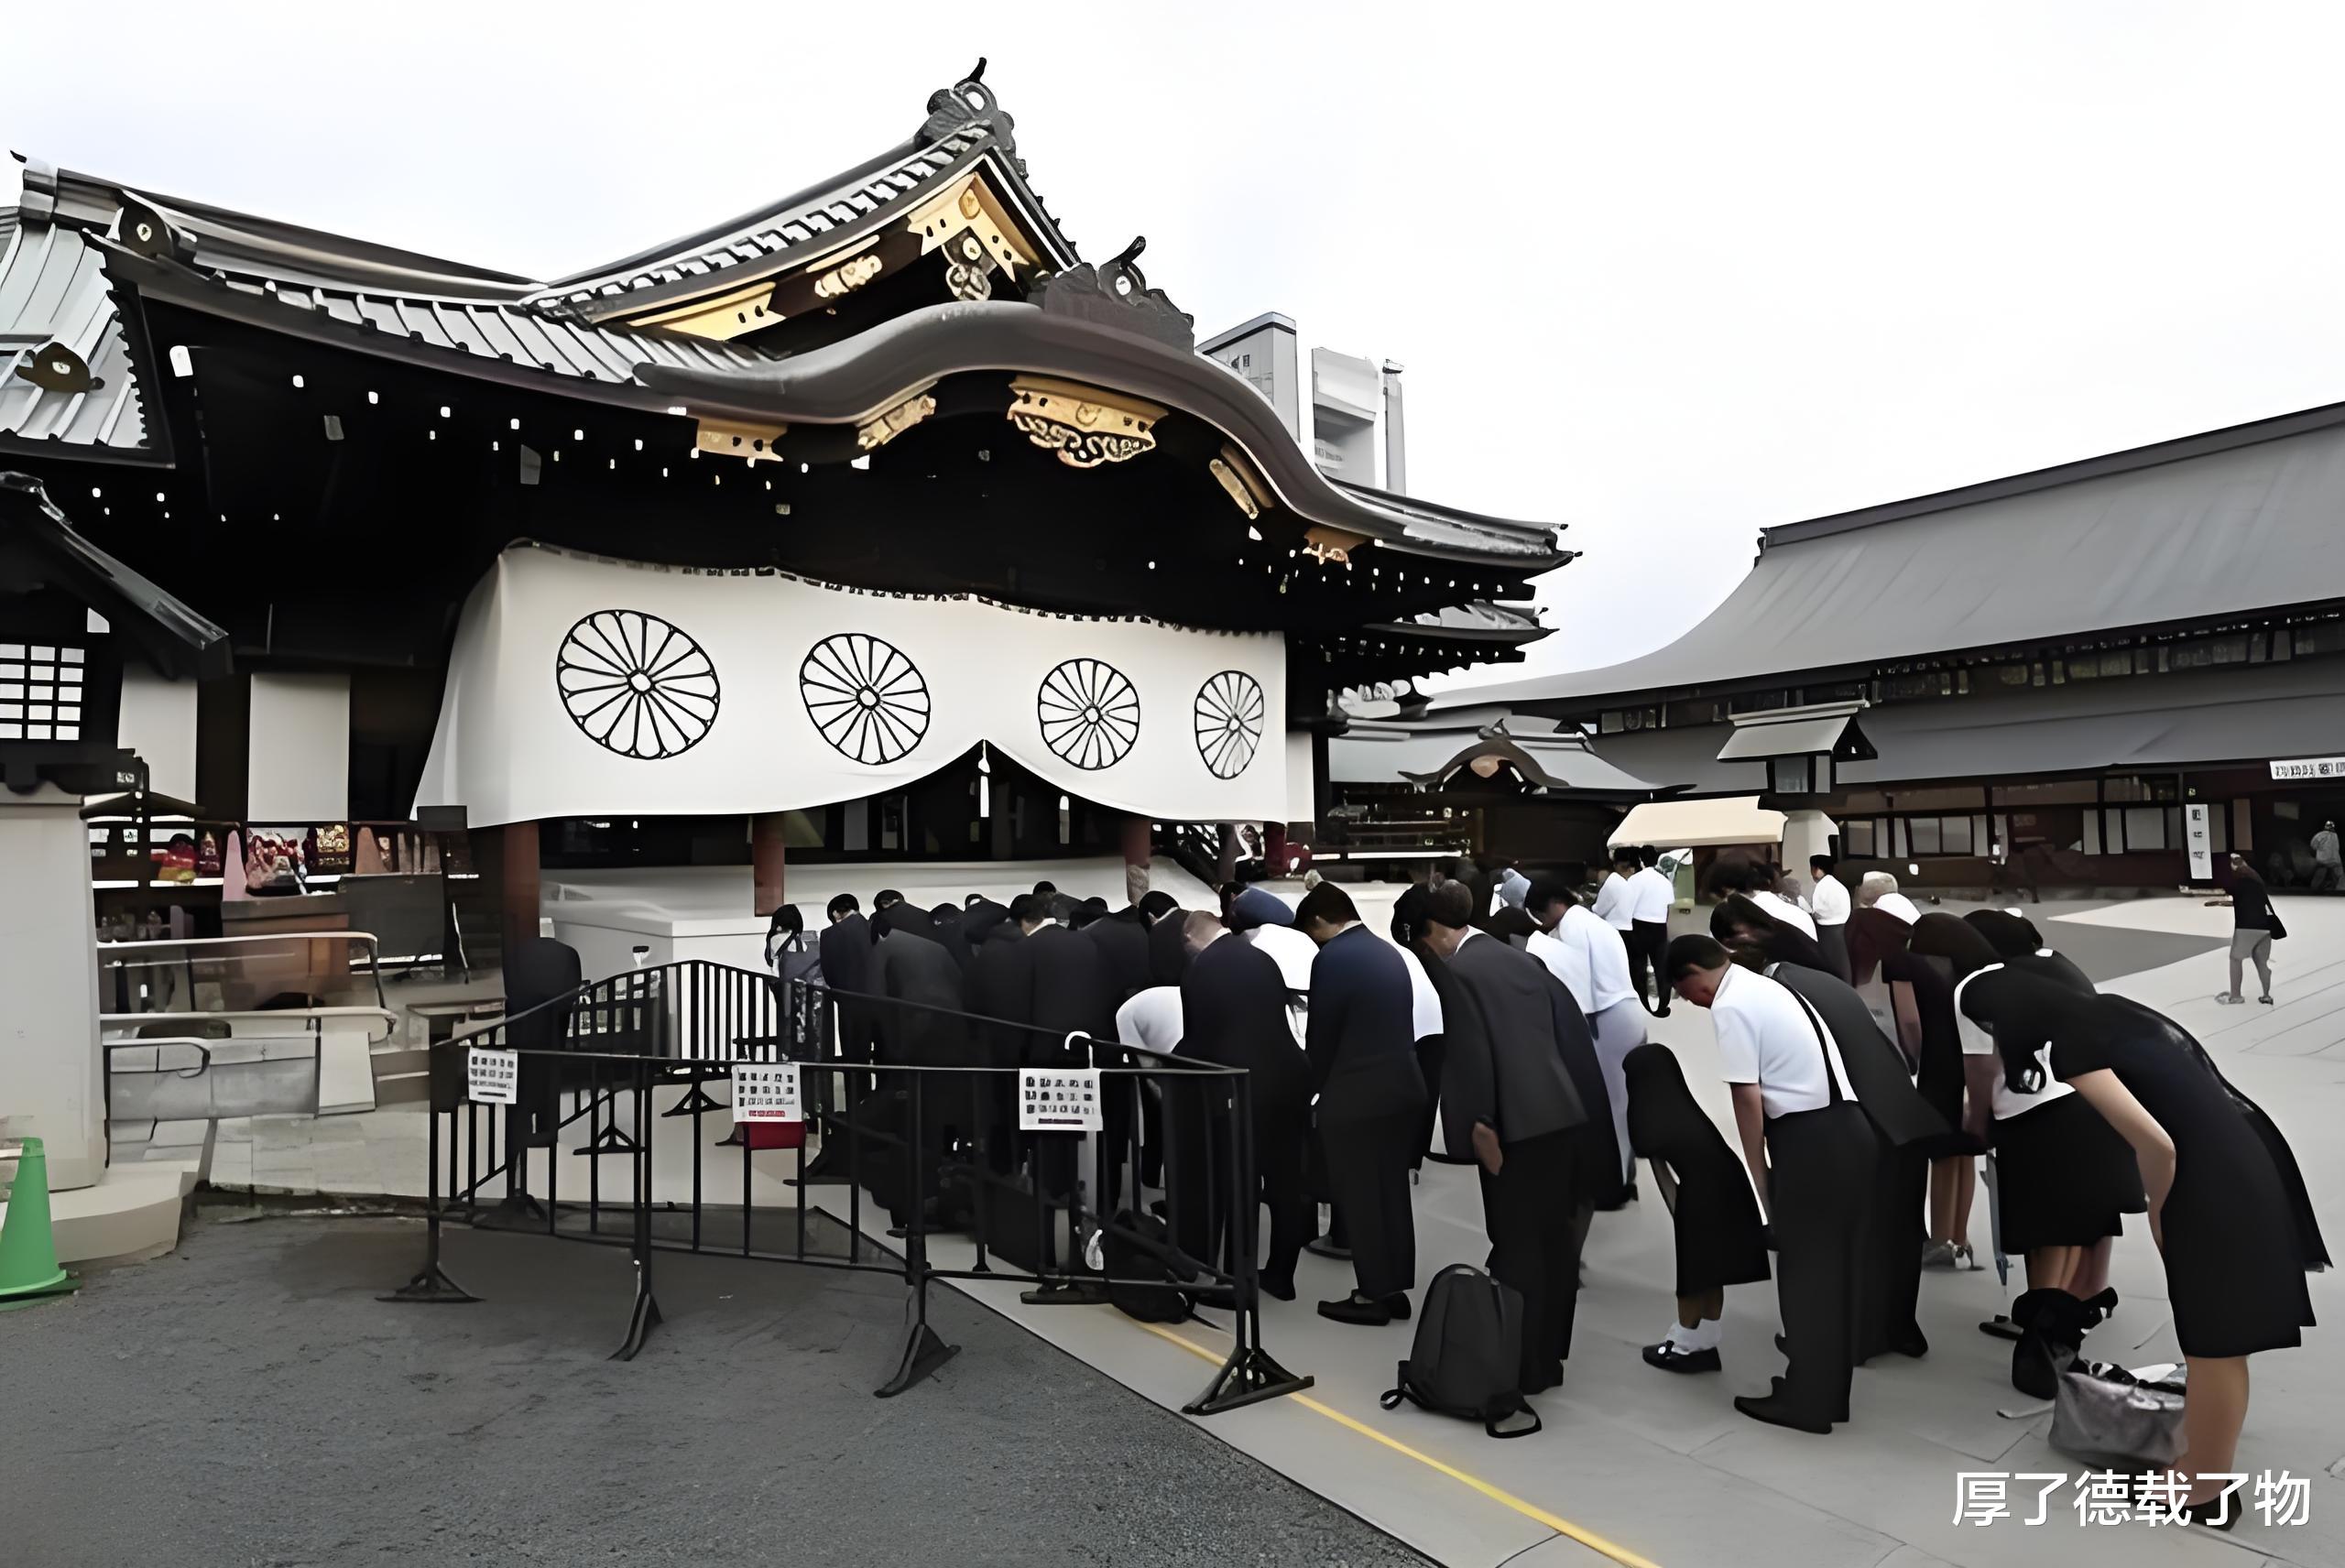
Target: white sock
1681, 1336
1705, 1335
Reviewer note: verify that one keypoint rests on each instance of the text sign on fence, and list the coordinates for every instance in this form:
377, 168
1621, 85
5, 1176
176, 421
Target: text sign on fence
492, 1077
1062, 1099
766, 1091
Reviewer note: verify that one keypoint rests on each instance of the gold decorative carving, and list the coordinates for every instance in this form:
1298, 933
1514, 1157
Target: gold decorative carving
736, 438
969, 207
846, 277
732, 314
1331, 546
886, 426
1085, 426
1237, 477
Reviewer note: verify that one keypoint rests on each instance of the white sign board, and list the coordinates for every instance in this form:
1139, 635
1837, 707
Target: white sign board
2310, 767
492, 1077
2202, 844
1059, 1099
766, 1091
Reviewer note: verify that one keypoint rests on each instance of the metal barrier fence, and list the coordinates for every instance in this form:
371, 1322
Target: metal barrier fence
911, 1108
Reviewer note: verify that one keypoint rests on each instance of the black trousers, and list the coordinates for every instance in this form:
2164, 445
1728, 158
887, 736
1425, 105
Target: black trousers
1890, 1282
1649, 944
1821, 1162
1367, 1178
1281, 1138
1430, 1056
1529, 1209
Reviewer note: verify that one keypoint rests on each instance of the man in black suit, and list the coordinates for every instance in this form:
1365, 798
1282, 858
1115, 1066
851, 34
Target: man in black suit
846, 970
1363, 1057
1122, 941
996, 990
1233, 1014
1522, 1088
1909, 1132
1058, 987
927, 1031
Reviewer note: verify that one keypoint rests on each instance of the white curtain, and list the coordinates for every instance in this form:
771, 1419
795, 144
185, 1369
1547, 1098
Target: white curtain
587, 687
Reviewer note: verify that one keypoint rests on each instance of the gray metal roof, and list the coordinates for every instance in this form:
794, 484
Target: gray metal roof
2218, 528
53, 286
1789, 732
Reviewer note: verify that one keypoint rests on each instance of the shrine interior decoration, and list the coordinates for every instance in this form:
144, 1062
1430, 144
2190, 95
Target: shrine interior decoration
636, 684
866, 697
1085, 426
1227, 717
890, 687
1088, 713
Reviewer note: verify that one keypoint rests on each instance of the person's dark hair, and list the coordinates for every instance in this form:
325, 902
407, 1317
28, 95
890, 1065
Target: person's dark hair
1026, 909
1062, 906
886, 899
1088, 910
1691, 952
1822, 865
2023, 1012
973, 900
844, 904
2009, 934
946, 912
1325, 902
1649, 855
2246, 867
786, 918
1624, 856
1756, 938
1450, 906
1409, 914
1548, 890
1156, 903
1045, 889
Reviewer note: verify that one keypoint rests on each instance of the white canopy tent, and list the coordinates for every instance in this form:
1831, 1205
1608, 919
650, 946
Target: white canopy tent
1700, 824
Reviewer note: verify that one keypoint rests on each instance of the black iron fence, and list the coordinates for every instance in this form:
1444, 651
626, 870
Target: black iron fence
917, 1113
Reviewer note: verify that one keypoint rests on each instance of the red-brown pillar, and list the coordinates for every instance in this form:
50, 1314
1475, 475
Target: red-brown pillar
765, 862
1138, 831
520, 905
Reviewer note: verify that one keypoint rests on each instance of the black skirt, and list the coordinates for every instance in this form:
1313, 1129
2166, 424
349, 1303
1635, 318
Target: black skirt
2066, 1177
1719, 1241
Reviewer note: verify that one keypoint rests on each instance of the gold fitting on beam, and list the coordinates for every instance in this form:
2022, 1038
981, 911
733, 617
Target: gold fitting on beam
968, 206
1331, 546
734, 313
886, 426
735, 438
1085, 426
846, 277
1237, 477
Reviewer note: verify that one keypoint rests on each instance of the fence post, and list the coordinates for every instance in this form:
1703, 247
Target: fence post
645, 1316
924, 1350
432, 1284
1249, 1376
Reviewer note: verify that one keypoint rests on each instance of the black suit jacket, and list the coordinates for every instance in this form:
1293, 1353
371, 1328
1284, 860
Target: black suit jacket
1058, 986
1122, 941
1876, 1067
911, 969
1518, 1055
1362, 1050
1232, 1013
846, 970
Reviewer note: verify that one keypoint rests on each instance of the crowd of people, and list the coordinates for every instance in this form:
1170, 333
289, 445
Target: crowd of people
1871, 1053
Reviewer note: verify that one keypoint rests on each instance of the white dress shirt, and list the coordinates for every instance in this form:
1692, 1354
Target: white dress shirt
1567, 962
1151, 1019
1769, 1037
1897, 903
1424, 1002
1614, 902
1791, 914
1654, 894
1290, 950
1829, 902
1589, 957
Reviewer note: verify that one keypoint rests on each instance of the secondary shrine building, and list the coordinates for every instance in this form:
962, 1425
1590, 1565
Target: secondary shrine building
880, 522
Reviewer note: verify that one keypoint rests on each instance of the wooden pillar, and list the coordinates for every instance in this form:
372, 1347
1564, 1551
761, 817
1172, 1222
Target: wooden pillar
520, 903
1138, 831
766, 863
1225, 870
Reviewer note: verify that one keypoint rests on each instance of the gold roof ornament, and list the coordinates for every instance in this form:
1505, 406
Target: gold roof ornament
848, 276
887, 425
1331, 546
1085, 426
741, 439
1245, 487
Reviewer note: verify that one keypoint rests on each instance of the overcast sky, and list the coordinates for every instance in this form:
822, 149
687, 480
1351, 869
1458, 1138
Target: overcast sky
1666, 273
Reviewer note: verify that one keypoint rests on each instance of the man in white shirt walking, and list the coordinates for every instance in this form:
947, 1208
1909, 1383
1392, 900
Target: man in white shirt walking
1592, 961
1810, 1151
1829, 906
1654, 893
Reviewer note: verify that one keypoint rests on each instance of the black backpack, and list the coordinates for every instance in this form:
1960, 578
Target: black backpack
1136, 1246
1467, 1360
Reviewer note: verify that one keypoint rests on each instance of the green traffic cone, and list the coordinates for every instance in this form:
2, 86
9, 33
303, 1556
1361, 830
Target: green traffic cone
28, 1251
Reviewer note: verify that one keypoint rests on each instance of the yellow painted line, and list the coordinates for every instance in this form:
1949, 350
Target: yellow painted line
1498, 1495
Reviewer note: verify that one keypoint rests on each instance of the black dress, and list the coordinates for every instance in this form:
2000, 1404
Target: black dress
1719, 1241
2233, 1269
2068, 1177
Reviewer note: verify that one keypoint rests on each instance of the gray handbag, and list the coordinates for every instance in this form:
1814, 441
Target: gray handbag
2111, 1419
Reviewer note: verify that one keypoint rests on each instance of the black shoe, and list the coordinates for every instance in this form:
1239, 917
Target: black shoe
1397, 1304
1321, 1246
1914, 1343
1775, 1410
1355, 1309
1670, 1356
1548, 1376
1278, 1288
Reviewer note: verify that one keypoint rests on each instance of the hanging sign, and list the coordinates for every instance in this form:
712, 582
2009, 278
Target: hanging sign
2310, 767
2201, 841
1059, 1099
492, 1077
766, 1091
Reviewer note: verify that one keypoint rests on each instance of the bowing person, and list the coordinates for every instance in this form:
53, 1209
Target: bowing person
1828, 904
1523, 1091
1427, 976
1592, 961
1721, 1240
926, 1030
1654, 893
1811, 1154
846, 966
1363, 1068
1912, 997
1233, 1014
997, 992
1122, 937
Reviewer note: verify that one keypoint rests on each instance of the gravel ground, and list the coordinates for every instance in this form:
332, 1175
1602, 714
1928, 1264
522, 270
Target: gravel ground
246, 1401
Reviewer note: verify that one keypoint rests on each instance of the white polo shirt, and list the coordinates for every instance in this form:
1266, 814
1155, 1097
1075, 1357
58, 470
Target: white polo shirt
1977, 1041
1424, 1002
1769, 1037
1589, 958
1897, 903
1654, 893
1567, 962
1290, 950
1783, 910
1829, 902
1615, 903
1151, 1019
